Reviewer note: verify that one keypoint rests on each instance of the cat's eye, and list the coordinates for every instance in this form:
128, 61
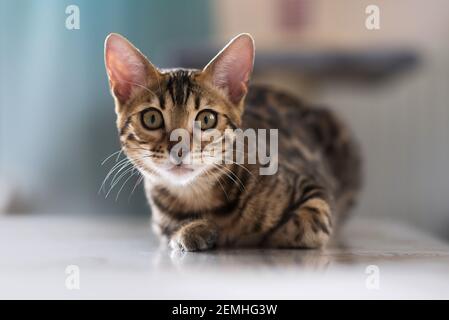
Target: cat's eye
207, 119
152, 119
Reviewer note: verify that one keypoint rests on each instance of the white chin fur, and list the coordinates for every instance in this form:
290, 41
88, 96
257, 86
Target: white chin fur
182, 180
179, 179
174, 179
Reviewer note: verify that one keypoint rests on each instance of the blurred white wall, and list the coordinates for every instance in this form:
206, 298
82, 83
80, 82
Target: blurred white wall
403, 127
333, 24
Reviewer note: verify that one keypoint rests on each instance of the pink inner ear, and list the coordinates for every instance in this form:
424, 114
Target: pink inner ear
126, 67
233, 67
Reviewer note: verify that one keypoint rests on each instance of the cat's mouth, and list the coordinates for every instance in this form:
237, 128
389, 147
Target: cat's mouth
180, 174
180, 170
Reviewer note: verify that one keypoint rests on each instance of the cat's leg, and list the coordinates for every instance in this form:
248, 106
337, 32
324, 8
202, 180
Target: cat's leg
308, 226
196, 235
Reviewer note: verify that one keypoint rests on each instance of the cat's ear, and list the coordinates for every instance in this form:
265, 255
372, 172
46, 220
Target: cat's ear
129, 71
231, 68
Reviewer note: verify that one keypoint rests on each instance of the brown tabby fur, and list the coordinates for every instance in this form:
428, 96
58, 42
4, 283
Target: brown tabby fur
299, 206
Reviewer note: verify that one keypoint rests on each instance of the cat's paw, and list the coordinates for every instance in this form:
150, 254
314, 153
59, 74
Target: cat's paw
195, 236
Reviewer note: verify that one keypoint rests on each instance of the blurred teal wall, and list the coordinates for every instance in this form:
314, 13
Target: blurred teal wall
56, 115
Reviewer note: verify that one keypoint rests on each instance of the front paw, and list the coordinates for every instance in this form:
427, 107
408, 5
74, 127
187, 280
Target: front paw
195, 236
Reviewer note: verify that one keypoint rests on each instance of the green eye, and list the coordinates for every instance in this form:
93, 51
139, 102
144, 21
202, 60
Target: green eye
207, 119
152, 119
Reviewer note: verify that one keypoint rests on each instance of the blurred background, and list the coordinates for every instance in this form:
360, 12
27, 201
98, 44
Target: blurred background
57, 122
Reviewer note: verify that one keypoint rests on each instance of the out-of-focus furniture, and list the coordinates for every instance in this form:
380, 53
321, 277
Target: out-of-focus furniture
306, 71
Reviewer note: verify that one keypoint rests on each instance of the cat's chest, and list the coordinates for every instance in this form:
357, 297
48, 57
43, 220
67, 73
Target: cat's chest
183, 199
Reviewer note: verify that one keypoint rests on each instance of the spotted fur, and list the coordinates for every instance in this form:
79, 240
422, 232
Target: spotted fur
233, 205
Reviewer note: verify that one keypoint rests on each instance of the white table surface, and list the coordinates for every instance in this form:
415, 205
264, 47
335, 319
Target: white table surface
120, 258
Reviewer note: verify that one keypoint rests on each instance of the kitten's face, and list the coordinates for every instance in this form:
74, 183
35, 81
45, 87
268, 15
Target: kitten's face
152, 105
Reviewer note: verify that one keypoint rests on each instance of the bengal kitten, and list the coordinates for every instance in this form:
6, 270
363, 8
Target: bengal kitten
198, 207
